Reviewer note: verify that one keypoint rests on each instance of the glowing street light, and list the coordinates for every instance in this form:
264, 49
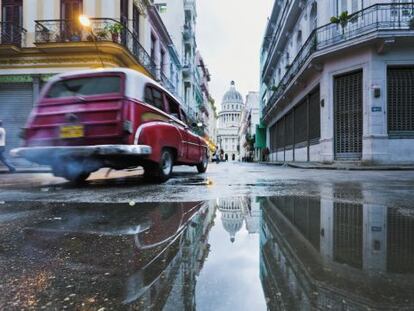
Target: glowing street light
85, 21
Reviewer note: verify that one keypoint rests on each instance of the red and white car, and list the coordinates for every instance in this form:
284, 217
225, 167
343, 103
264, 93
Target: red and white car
115, 118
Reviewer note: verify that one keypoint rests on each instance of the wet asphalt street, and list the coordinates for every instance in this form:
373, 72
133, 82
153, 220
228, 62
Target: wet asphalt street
240, 237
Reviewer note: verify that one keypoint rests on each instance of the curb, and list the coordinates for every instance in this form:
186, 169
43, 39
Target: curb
342, 168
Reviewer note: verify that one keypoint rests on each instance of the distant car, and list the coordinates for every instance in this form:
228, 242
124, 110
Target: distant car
115, 118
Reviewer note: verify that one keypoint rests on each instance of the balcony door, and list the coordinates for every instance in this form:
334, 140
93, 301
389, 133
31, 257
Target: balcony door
69, 12
124, 20
12, 21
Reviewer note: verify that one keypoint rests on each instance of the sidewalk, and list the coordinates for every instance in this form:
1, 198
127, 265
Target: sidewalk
346, 166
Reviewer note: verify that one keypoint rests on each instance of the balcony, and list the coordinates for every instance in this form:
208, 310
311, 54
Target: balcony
368, 24
188, 33
11, 35
102, 30
187, 71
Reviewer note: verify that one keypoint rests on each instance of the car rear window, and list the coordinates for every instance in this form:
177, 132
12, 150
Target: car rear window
85, 87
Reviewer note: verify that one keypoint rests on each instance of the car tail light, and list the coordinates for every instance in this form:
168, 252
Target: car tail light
128, 127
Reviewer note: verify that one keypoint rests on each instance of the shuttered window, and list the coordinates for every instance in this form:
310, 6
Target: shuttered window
400, 100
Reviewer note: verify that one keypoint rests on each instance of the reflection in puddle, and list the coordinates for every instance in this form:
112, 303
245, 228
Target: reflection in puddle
330, 251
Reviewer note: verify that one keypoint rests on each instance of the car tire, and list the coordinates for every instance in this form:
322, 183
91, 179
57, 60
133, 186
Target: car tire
202, 167
160, 172
78, 178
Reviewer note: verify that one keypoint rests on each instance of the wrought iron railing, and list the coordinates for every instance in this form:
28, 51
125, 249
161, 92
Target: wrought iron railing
101, 29
379, 17
12, 34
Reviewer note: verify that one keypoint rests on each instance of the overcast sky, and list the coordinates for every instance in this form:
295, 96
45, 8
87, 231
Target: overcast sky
229, 36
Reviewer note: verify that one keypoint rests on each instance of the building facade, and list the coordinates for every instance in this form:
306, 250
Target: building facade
250, 119
337, 80
229, 123
45, 37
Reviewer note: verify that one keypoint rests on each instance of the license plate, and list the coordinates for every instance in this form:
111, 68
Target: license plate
72, 131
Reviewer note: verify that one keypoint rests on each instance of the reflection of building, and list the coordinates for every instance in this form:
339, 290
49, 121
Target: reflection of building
151, 255
229, 122
234, 212
332, 253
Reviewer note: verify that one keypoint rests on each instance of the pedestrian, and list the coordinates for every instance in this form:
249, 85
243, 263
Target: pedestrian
222, 155
3, 148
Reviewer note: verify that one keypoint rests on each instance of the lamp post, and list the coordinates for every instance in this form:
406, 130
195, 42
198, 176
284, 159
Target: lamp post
85, 21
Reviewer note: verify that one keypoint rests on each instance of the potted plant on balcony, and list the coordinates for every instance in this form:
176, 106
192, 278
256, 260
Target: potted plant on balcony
101, 35
75, 37
114, 29
342, 20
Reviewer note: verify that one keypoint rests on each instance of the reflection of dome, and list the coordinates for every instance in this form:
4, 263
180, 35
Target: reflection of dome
231, 217
232, 95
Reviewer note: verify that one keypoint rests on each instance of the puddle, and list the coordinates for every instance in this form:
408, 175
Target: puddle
246, 253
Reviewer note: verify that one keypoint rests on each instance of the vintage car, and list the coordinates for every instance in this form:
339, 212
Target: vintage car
115, 118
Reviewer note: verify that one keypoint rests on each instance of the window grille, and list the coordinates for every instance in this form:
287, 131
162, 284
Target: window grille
301, 124
314, 117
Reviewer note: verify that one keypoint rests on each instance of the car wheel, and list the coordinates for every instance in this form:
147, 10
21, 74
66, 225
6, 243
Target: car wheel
202, 167
160, 172
78, 178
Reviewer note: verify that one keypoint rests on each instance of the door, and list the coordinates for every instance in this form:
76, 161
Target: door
348, 116
70, 12
124, 20
16, 103
12, 21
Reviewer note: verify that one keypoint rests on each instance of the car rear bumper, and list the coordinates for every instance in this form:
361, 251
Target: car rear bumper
37, 154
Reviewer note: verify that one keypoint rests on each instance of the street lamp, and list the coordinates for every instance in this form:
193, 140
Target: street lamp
85, 21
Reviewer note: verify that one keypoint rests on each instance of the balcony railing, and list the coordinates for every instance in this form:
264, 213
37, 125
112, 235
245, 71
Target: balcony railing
168, 85
11, 34
379, 17
102, 30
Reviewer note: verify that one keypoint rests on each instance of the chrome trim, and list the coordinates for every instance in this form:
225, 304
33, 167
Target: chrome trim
80, 151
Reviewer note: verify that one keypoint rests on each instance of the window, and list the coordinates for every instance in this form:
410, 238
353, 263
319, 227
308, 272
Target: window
154, 97
162, 64
153, 46
85, 87
173, 107
136, 20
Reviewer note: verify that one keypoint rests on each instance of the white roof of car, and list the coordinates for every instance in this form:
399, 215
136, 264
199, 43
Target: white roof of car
135, 82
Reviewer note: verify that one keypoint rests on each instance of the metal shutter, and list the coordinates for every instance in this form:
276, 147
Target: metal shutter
400, 100
400, 241
16, 102
348, 116
280, 132
314, 118
301, 124
348, 230
289, 129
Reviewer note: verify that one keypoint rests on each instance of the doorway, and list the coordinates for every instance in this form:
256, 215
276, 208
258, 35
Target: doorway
348, 121
70, 10
12, 20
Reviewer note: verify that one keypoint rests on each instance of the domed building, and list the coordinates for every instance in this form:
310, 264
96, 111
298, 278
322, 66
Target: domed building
229, 122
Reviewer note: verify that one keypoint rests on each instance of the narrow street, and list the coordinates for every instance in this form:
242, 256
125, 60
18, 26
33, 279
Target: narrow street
241, 236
